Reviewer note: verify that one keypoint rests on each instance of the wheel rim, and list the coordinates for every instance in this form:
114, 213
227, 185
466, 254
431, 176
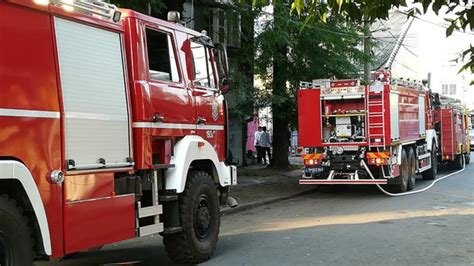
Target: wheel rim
202, 218
6, 252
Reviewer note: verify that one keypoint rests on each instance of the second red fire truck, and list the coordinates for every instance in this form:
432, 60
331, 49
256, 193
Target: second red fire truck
384, 133
112, 126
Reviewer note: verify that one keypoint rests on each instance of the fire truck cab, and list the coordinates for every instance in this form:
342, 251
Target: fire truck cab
112, 126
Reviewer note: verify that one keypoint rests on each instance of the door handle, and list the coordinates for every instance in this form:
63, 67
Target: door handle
201, 120
158, 118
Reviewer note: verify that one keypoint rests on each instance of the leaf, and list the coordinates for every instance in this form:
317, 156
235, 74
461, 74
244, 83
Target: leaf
323, 16
426, 4
437, 5
297, 5
450, 29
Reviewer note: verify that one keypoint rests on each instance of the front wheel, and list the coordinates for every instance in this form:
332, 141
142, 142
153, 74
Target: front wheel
467, 158
200, 218
16, 246
430, 174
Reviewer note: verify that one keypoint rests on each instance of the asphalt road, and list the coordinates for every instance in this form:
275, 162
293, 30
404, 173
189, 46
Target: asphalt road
356, 226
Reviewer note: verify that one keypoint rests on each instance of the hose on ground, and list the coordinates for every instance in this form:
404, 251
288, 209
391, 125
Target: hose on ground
416, 191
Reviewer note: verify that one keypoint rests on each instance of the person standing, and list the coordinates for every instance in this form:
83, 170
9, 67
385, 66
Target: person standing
252, 126
266, 144
257, 144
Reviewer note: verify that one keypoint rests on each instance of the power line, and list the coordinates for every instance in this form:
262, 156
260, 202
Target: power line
444, 26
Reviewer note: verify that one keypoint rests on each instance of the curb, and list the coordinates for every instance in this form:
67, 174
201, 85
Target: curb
254, 204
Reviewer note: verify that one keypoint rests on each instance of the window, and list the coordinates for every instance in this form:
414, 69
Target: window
203, 69
452, 89
444, 89
161, 56
225, 27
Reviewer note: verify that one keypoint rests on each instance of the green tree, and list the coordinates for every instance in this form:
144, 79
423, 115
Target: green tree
144, 6
371, 10
286, 55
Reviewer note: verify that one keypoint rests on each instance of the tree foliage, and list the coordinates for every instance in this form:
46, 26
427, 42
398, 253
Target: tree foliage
143, 6
285, 55
371, 10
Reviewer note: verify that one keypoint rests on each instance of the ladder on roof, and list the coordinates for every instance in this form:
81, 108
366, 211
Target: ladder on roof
376, 117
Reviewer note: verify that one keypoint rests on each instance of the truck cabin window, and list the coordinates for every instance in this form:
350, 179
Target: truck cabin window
203, 69
161, 56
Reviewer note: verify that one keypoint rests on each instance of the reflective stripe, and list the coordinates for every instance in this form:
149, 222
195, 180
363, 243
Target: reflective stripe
312, 156
176, 126
28, 113
93, 116
210, 127
163, 125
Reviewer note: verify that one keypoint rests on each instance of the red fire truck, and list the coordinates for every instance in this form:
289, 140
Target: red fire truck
384, 133
451, 122
112, 126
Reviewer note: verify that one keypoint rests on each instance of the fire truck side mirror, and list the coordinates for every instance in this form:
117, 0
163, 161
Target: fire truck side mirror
222, 67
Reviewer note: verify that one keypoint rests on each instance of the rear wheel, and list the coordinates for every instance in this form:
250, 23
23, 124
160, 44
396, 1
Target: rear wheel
404, 174
431, 173
458, 163
16, 244
412, 165
467, 158
200, 218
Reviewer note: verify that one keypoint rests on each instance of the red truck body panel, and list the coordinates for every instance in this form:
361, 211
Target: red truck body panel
309, 118
453, 132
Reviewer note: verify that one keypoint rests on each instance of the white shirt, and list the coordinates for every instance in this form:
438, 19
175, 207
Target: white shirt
256, 141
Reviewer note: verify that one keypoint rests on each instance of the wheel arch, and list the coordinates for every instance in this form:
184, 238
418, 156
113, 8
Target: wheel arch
431, 138
194, 151
207, 166
17, 181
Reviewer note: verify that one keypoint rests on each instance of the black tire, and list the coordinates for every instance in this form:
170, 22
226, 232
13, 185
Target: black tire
199, 215
412, 169
431, 173
16, 243
458, 163
403, 178
467, 158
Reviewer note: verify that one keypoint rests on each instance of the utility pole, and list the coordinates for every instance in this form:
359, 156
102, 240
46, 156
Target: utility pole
366, 50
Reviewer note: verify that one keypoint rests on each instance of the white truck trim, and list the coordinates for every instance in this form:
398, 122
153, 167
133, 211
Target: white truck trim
28, 113
192, 148
16, 170
176, 126
430, 135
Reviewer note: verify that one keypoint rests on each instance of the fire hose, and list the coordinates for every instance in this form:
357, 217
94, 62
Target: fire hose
414, 191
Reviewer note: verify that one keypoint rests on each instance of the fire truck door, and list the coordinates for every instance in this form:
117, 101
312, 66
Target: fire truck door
96, 116
209, 101
171, 100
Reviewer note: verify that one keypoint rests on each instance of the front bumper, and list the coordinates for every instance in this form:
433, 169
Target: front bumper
233, 175
347, 173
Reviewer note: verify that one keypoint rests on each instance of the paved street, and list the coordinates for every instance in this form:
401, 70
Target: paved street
356, 226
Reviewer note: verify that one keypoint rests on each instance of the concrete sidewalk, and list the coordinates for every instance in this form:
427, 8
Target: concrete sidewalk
257, 190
